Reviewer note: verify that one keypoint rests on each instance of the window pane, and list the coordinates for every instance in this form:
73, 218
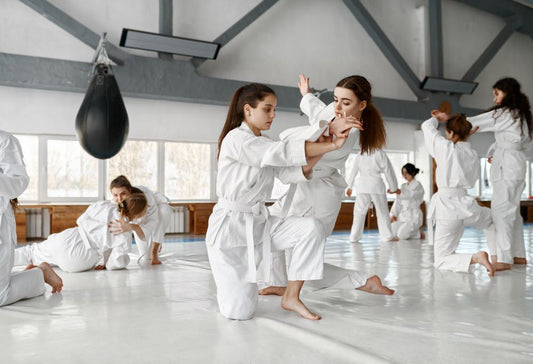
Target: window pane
71, 171
138, 161
187, 171
30, 149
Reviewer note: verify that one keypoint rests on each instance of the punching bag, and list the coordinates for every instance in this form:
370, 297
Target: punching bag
102, 121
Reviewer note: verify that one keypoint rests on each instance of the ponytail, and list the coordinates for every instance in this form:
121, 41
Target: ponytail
250, 94
14, 202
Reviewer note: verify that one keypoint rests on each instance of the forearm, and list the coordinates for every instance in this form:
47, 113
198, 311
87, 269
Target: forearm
308, 168
318, 149
138, 230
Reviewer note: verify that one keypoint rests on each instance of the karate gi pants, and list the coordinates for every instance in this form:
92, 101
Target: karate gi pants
505, 207
16, 286
302, 236
448, 233
65, 250
360, 210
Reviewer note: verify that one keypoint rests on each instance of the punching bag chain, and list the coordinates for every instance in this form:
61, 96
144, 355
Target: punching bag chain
100, 55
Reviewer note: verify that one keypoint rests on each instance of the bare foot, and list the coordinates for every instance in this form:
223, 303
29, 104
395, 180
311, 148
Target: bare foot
501, 266
278, 291
483, 259
99, 267
30, 266
155, 260
51, 277
422, 234
298, 306
519, 260
395, 239
374, 285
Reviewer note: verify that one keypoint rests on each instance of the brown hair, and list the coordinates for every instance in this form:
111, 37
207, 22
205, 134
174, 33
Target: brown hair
460, 126
373, 136
516, 102
14, 202
250, 94
133, 205
121, 181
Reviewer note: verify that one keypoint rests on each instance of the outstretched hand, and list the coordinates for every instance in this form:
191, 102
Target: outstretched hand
440, 115
398, 192
118, 227
303, 85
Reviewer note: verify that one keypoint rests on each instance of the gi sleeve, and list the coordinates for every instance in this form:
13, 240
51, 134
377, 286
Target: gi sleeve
13, 176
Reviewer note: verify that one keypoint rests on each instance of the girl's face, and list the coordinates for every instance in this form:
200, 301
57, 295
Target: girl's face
499, 95
406, 175
119, 194
262, 116
347, 102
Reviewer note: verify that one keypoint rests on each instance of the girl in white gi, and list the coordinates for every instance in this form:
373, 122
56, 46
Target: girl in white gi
321, 197
149, 230
368, 167
451, 208
13, 181
91, 244
405, 215
241, 232
511, 121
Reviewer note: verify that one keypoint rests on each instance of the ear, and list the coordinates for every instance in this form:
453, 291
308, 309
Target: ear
362, 105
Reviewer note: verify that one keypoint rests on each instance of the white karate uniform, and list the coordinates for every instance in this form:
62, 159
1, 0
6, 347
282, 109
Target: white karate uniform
241, 231
13, 181
83, 247
369, 187
320, 197
407, 210
154, 223
457, 171
507, 175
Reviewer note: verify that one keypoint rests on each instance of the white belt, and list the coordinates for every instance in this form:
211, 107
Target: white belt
508, 146
445, 192
259, 209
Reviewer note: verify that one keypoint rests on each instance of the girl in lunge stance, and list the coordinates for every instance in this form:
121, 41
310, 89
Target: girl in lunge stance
241, 231
15, 286
91, 244
511, 122
451, 208
405, 215
321, 196
149, 230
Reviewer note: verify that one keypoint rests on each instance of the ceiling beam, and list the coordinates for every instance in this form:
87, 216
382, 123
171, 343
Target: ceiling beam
435, 38
153, 78
165, 23
505, 9
238, 27
385, 45
75, 28
491, 50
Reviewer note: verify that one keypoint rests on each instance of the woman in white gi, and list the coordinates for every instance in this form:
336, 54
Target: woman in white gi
91, 244
405, 215
365, 179
241, 232
149, 230
450, 207
15, 286
321, 197
511, 121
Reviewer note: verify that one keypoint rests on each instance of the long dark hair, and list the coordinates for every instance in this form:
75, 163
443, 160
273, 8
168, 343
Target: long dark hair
373, 136
250, 94
133, 205
516, 101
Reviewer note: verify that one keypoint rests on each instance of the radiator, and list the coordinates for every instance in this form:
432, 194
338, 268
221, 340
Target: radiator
179, 220
37, 223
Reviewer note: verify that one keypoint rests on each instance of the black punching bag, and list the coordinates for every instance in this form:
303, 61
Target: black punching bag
102, 121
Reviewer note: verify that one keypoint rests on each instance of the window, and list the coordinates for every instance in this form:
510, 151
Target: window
187, 171
138, 161
71, 172
30, 149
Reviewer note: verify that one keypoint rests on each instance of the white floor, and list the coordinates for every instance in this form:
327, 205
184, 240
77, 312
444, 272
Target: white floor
168, 314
